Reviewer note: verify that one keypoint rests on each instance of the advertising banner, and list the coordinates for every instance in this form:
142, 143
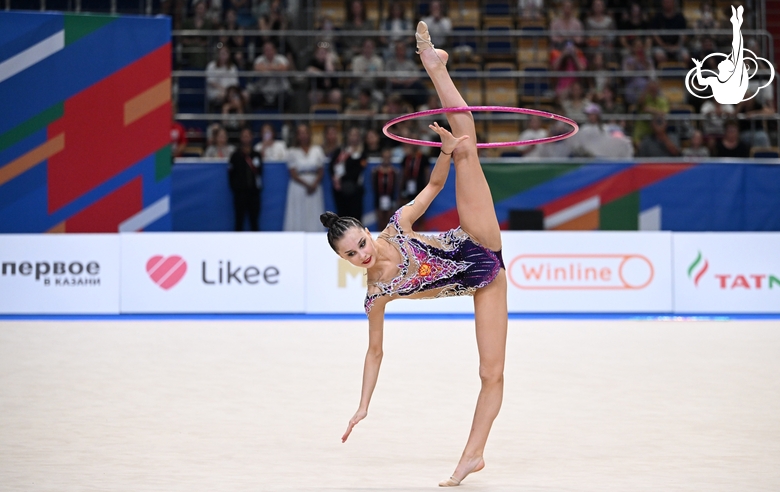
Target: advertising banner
212, 273
727, 272
333, 285
588, 271
51, 274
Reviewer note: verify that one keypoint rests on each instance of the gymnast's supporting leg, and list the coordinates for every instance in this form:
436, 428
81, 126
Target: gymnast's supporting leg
478, 218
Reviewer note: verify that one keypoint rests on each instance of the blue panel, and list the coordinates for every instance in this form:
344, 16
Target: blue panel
116, 45
21, 185
23, 146
27, 214
21, 30
762, 197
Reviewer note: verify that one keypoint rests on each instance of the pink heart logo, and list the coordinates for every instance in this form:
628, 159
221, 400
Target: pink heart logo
166, 272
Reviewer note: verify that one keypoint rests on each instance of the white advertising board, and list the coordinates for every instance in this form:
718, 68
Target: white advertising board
212, 273
727, 272
588, 271
335, 286
59, 274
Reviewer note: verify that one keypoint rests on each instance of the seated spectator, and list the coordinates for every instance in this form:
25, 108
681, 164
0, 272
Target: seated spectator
270, 92
596, 24
730, 145
243, 9
669, 46
396, 24
697, 147
637, 61
231, 21
385, 179
409, 86
178, 138
566, 28
753, 107
530, 9
574, 103
603, 77
324, 89
372, 143
560, 149
633, 20
273, 19
364, 105
234, 104
714, 126
365, 65
652, 102
596, 140
214, 12
221, 148
533, 131
439, 25
196, 48
356, 22
220, 74
396, 106
269, 147
568, 59
606, 100
658, 143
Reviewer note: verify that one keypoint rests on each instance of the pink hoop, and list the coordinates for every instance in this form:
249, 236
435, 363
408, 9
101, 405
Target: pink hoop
503, 109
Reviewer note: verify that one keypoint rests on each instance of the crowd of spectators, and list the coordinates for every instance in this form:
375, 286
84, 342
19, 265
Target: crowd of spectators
621, 115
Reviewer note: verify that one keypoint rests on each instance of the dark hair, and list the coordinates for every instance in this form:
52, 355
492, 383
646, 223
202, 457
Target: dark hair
338, 226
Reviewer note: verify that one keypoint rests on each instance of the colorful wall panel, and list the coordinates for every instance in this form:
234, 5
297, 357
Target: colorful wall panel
86, 115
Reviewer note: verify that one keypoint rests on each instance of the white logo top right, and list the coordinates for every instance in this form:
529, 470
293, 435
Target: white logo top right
736, 69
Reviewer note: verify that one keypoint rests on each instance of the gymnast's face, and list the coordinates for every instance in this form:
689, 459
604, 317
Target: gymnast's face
358, 247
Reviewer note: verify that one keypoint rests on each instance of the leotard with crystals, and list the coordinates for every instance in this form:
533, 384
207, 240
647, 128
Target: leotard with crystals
449, 264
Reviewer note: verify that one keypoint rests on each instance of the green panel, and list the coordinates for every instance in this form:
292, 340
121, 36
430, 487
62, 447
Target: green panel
506, 180
79, 25
30, 126
621, 214
162, 163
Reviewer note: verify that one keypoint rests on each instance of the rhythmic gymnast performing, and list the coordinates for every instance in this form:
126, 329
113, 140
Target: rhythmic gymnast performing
467, 260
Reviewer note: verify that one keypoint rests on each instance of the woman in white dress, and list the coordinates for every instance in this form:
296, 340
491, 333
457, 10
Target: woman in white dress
306, 163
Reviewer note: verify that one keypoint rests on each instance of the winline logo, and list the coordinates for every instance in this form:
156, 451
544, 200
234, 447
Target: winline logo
581, 272
730, 281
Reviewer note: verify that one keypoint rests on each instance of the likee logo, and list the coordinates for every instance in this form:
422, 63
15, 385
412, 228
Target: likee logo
166, 272
700, 272
581, 272
736, 69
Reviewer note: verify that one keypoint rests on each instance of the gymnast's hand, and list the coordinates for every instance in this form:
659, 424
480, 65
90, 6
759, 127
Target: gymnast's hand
448, 142
359, 415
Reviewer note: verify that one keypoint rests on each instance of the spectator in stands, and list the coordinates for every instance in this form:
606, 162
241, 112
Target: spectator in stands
365, 65
409, 86
270, 92
574, 103
356, 22
637, 61
243, 9
331, 141
373, 144
669, 46
197, 47
530, 9
271, 148
560, 149
439, 26
707, 21
396, 24
234, 105
324, 89
753, 107
533, 131
178, 138
386, 182
245, 172
364, 105
633, 20
602, 78
305, 203
652, 102
221, 148
231, 21
597, 23
347, 169
273, 19
566, 28
221, 73
714, 126
214, 11
606, 100
596, 140
730, 145
568, 59
415, 172
658, 143
697, 147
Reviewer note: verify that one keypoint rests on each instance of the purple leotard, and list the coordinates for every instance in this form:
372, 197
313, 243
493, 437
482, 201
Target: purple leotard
449, 264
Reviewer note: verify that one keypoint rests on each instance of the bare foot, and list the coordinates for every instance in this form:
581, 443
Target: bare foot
464, 469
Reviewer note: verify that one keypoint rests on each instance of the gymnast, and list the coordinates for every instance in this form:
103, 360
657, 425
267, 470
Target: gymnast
463, 261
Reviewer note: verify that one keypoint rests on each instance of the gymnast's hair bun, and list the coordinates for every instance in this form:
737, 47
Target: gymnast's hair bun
328, 219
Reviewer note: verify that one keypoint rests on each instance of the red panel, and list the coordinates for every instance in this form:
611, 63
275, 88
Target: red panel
98, 145
617, 185
106, 214
443, 221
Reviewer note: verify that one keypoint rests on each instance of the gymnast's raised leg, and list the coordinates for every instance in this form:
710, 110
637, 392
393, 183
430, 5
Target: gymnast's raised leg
478, 218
